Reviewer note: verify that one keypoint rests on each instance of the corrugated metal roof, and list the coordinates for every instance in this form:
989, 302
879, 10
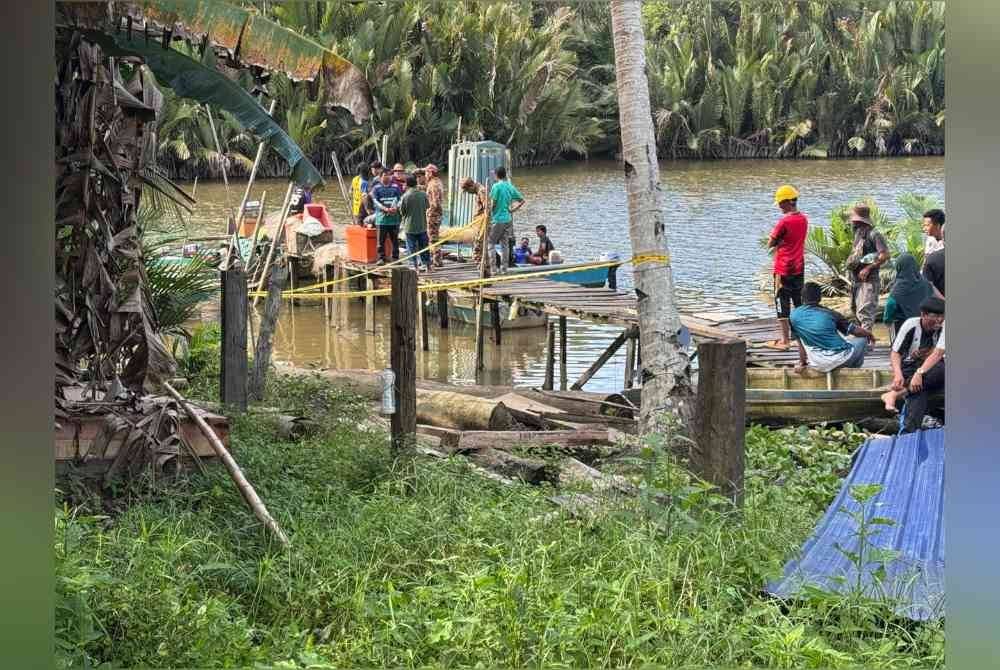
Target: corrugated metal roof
910, 469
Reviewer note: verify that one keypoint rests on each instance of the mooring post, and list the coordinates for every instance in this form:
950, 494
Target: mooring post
442, 306
629, 362
403, 357
425, 343
563, 378
262, 352
495, 316
479, 334
613, 277
233, 373
291, 279
720, 416
550, 356
369, 305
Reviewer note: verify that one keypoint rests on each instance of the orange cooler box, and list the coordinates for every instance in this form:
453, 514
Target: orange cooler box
362, 244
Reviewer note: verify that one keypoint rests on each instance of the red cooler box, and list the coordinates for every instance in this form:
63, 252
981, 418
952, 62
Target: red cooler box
362, 244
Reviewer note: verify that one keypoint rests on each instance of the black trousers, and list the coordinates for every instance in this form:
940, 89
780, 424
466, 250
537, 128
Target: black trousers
916, 403
390, 233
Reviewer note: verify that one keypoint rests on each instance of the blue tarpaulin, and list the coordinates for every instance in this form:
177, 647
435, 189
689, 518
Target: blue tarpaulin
910, 470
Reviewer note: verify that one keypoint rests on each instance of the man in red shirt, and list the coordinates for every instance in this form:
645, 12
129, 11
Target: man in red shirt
788, 239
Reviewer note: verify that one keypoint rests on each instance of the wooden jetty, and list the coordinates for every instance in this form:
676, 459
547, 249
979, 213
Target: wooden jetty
604, 305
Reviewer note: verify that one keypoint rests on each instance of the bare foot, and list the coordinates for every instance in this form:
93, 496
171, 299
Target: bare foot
889, 398
778, 344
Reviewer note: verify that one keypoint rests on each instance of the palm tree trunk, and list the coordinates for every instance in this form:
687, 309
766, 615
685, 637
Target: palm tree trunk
665, 367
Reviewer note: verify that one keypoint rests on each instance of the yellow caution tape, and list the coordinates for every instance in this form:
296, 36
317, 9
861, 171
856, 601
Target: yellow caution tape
639, 259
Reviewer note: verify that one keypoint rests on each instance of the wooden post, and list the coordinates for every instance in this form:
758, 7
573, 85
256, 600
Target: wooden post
495, 316
262, 353
326, 300
403, 356
550, 357
424, 339
720, 418
563, 379
629, 362
369, 305
604, 358
442, 305
613, 277
278, 232
479, 332
291, 278
233, 373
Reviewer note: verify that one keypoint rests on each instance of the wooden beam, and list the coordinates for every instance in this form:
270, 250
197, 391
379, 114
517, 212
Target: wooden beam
720, 419
403, 348
233, 372
507, 440
603, 358
563, 373
442, 306
629, 363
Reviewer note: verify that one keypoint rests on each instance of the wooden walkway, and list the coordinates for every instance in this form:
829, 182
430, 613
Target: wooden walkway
608, 306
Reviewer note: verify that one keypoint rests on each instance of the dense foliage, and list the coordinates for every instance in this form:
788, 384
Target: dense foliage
727, 79
460, 570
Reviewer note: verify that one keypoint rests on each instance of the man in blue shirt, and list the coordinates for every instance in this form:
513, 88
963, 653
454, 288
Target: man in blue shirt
385, 198
821, 335
502, 195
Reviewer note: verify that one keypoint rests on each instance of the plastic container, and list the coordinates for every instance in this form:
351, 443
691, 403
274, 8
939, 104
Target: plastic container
317, 210
362, 244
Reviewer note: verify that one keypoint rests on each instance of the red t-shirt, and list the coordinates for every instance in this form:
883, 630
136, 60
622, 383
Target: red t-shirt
790, 232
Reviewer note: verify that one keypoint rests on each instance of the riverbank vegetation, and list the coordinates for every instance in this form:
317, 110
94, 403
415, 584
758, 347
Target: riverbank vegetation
733, 79
449, 568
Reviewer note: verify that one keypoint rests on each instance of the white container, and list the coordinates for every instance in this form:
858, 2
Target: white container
388, 378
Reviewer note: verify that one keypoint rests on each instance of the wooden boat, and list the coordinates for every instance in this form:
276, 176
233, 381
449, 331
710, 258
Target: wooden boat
781, 394
463, 309
589, 277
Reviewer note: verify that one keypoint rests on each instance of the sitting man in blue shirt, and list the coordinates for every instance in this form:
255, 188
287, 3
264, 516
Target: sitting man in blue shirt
821, 334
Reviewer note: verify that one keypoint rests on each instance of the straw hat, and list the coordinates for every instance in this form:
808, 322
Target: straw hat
861, 213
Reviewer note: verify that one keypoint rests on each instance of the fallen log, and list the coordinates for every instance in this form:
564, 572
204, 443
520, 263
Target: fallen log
573, 472
368, 383
449, 437
461, 412
505, 440
583, 402
515, 467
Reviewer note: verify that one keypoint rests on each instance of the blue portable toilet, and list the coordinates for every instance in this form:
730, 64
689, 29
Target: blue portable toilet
478, 160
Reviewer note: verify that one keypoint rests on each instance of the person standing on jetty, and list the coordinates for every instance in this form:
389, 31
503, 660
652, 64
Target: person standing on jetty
413, 209
435, 209
386, 197
359, 193
482, 209
788, 239
870, 252
506, 200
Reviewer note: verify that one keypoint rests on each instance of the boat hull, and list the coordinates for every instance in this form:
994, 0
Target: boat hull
465, 312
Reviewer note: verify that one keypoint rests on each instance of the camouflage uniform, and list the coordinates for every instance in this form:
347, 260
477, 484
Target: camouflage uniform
482, 208
435, 196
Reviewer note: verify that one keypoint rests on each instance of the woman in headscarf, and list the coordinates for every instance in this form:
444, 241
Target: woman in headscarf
908, 290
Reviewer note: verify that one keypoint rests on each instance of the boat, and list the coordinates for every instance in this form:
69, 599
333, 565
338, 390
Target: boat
588, 276
781, 395
463, 309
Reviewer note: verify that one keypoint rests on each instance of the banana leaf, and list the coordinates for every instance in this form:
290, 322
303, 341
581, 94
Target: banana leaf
190, 79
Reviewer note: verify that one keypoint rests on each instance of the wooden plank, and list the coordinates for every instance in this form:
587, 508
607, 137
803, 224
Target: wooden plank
506, 440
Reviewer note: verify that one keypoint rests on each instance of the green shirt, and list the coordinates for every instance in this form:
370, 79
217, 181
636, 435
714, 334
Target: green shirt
501, 195
413, 208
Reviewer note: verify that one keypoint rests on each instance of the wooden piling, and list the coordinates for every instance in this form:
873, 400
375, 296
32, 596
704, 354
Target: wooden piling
233, 373
262, 352
720, 418
326, 300
479, 333
604, 358
369, 305
550, 357
291, 279
424, 339
563, 379
629, 362
403, 357
442, 306
613, 277
495, 316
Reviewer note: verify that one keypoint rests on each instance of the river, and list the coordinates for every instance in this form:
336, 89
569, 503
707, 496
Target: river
715, 213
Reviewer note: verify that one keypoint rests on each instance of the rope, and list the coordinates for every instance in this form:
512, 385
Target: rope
469, 283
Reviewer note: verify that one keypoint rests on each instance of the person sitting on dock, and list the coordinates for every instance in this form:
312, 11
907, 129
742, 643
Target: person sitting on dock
435, 209
545, 247
522, 252
821, 334
482, 209
386, 197
506, 200
788, 239
917, 360
413, 209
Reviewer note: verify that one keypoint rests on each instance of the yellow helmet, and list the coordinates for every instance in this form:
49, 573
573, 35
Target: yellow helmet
786, 192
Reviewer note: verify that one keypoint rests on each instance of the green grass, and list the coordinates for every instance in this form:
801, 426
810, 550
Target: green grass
448, 568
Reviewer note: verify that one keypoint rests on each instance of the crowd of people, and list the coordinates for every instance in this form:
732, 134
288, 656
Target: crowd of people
914, 310
394, 200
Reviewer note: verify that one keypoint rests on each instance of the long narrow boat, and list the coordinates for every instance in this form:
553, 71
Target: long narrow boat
589, 277
462, 308
781, 394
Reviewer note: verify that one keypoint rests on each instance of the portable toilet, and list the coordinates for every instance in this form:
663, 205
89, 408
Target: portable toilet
478, 160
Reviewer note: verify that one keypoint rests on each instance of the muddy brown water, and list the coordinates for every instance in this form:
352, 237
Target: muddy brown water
715, 212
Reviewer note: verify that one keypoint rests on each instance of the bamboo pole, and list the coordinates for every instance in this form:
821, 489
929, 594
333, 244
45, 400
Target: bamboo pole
256, 231
194, 189
278, 232
244, 486
225, 179
385, 151
343, 189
